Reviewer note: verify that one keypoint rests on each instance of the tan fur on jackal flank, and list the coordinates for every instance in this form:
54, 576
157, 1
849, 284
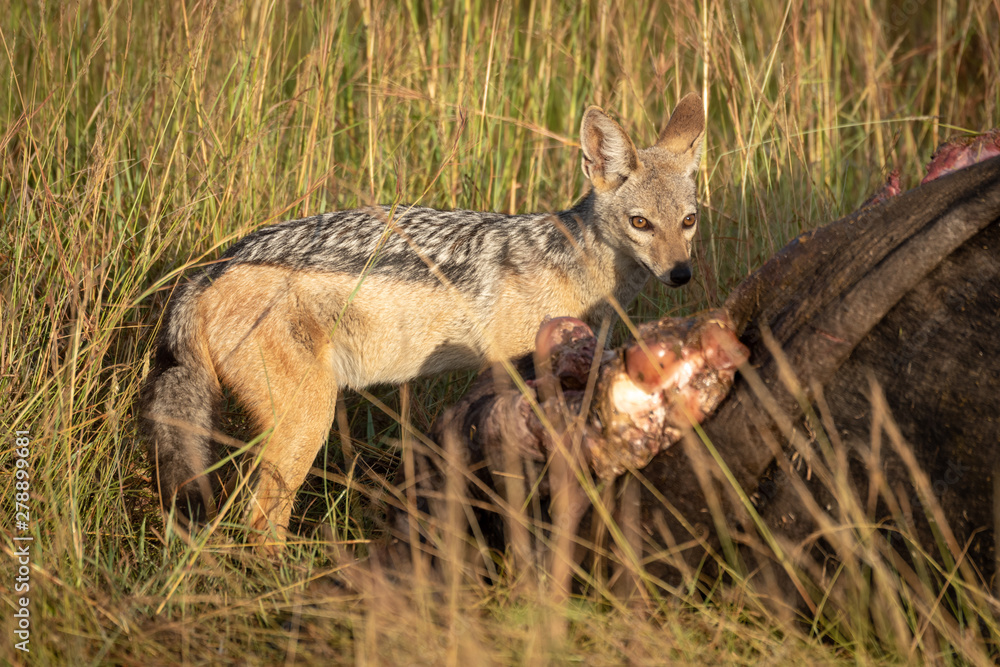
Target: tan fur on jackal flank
380, 295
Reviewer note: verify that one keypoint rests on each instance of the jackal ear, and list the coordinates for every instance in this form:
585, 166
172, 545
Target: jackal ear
685, 132
609, 156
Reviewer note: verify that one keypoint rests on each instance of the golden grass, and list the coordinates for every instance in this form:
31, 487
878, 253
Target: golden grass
138, 139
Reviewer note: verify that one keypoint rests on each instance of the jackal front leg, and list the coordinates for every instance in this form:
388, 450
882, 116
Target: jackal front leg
298, 429
290, 388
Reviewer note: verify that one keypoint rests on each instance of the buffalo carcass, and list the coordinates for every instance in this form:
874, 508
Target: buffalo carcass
873, 385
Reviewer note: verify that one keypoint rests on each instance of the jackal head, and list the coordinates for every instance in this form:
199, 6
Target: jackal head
645, 200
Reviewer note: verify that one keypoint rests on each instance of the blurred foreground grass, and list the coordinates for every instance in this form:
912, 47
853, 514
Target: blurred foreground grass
138, 139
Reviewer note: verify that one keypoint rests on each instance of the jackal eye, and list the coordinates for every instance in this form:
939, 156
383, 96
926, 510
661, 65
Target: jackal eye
690, 220
639, 222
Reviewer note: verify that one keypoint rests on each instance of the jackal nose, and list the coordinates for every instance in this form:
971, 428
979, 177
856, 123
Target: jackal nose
679, 275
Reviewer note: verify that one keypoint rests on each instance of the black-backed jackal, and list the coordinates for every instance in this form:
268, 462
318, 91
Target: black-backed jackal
376, 295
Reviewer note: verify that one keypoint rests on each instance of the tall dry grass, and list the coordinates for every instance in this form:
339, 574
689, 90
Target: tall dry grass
139, 139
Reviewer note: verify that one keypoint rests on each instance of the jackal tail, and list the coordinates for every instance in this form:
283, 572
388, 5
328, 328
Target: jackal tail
179, 406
